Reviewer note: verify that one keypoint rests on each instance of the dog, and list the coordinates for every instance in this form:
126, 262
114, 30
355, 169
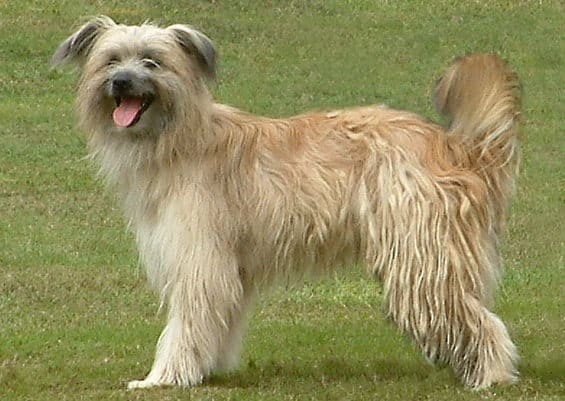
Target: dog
223, 203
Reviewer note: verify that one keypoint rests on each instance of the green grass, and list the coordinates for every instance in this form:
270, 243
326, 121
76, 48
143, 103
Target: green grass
76, 319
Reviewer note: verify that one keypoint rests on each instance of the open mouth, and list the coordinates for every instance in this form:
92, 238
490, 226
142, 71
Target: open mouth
129, 109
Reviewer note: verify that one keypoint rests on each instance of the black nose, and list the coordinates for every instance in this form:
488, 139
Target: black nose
121, 82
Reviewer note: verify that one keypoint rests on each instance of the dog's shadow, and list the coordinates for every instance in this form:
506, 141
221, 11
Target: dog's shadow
340, 369
327, 370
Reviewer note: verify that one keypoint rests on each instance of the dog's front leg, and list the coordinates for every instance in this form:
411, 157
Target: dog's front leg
205, 304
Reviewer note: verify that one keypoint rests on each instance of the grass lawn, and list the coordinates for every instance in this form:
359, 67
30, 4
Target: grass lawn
77, 321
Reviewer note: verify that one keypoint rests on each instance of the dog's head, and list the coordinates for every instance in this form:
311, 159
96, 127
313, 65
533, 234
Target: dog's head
138, 79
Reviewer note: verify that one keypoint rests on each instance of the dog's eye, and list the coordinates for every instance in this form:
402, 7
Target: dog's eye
113, 60
150, 63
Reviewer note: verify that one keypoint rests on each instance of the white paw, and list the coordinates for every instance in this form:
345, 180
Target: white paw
142, 384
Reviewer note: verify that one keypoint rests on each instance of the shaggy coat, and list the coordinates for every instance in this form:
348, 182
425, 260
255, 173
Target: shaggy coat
224, 203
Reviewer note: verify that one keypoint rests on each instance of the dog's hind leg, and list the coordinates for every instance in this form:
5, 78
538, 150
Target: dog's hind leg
438, 272
483, 353
463, 334
205, 302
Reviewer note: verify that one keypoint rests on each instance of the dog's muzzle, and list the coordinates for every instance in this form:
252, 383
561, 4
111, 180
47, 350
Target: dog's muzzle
132, 95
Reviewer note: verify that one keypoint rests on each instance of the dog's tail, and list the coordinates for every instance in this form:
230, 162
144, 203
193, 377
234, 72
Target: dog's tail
480, 96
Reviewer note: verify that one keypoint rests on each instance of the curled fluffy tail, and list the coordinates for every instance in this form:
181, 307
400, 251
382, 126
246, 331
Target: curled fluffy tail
480, 96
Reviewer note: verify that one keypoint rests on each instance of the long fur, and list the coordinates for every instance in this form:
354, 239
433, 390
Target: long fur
224, 203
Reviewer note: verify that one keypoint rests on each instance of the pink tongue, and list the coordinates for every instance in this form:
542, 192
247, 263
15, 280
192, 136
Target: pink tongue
125, 114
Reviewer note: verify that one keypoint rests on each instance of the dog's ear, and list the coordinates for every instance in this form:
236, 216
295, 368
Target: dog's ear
77, 46
197, 45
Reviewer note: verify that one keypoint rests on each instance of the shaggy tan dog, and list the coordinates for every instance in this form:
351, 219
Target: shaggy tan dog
224, 203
